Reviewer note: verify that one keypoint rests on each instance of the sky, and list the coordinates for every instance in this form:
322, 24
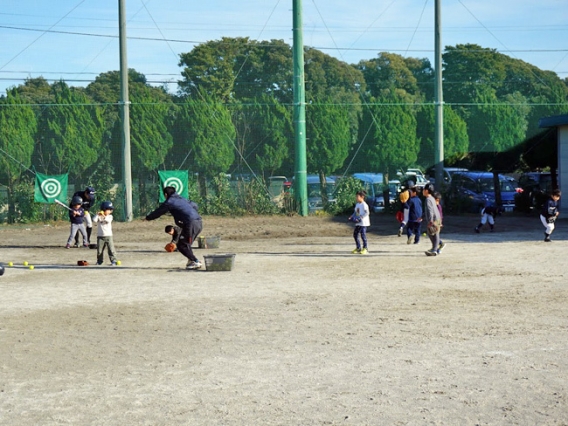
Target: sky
76, 40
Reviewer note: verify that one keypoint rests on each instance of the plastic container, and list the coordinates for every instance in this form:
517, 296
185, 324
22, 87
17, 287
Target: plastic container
208, 242
219, 262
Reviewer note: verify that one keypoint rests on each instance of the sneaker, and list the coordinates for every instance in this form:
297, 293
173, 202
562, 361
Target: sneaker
76, 245
193, 265
99, 263
399, 232
431, 252
356, 251
547, 238
476, 230
364, 251
113, 263
441, 247
409, 241
85, 245
67, 246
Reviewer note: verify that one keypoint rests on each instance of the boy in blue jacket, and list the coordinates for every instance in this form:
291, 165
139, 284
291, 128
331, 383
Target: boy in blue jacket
413, 227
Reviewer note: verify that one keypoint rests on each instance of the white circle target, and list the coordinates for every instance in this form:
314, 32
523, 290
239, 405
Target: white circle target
51, 188
174, 182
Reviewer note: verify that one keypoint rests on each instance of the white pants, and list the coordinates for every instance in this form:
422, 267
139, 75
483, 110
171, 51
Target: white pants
487, 217
549, 226
88, 220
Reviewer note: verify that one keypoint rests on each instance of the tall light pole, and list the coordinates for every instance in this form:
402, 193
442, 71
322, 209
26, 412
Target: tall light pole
300, 176
439, 98
124, 106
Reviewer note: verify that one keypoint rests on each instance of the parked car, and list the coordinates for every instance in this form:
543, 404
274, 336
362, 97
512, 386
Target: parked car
447, 173
276, 185
413, 177
315, 201
535, 188
373, 185
478, 189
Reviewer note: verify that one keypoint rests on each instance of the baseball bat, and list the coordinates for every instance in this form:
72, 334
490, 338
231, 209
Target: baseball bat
63, 205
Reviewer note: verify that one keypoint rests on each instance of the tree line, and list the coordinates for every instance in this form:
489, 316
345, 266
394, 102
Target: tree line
234, 106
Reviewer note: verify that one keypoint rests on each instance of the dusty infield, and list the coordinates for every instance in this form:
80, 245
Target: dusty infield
301, 332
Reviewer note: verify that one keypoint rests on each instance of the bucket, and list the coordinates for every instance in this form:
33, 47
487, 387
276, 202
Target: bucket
219, 262
208, 242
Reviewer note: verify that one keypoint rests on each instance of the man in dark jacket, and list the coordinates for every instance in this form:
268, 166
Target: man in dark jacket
88, 197
186, 217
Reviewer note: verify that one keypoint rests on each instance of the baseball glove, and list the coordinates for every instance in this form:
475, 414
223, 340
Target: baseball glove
399, 216
551, 219
82, 263
433, 228
170, 247
355, 219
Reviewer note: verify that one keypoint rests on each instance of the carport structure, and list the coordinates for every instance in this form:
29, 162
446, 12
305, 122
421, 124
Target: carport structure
560, 122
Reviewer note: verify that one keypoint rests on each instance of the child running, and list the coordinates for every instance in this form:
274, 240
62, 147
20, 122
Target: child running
104, 233
488, 214
550, 213
362, 220
402, 214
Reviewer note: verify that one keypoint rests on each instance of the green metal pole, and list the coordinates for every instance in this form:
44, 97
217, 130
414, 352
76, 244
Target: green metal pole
125, 114
300, 177
439, 99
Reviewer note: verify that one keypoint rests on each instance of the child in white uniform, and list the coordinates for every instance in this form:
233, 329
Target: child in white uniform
104, 233
362, 220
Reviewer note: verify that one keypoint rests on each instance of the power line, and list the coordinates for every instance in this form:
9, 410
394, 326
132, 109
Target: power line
374, 49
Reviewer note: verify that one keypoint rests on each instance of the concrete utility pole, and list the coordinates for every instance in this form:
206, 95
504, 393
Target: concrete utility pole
300, 177
124, 106
439, 99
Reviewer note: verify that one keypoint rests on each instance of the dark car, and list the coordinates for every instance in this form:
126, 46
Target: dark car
536, 187
474, 190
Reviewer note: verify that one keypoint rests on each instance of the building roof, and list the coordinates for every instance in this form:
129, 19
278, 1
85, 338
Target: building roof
554, 121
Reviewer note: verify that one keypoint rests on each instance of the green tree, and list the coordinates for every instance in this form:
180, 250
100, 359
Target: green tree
390, 71
17, 130
263, 134
388, 132
456, 141
328, 139
237, 68
71, 132
204, 132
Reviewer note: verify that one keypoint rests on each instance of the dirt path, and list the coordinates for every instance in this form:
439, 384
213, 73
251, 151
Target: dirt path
301, 332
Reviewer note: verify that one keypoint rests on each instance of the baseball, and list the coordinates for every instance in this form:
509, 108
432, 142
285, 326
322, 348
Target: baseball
118, 262
25, 263
10, 263
31, 266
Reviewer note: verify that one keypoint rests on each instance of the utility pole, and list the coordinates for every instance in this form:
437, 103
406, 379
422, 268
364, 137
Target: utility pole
300, 177
439, 99
124, 106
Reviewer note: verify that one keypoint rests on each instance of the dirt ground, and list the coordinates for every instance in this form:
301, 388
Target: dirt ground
300, 332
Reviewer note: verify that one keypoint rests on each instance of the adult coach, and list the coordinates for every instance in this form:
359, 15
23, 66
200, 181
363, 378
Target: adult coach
88, 197
432, 218
186, 217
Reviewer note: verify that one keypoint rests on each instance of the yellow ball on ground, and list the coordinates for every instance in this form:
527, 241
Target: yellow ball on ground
424, 234
118, 262
26, 263
31, 266
10, 263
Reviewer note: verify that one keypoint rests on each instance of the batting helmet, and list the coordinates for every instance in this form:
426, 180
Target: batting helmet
107, 205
